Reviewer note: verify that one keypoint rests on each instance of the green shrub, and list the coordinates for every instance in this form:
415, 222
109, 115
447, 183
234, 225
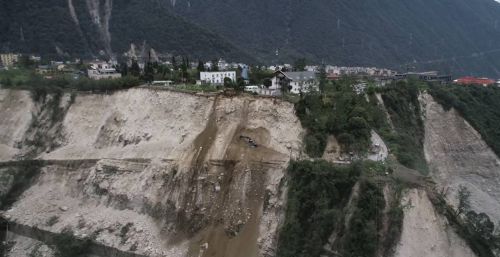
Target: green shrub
317, 193
407, 140
341, 113
362, 238
315, 144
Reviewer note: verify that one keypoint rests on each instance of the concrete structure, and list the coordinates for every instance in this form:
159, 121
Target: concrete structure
9, 59
304, 81
217, 77
252, 89
102, 70
164, 83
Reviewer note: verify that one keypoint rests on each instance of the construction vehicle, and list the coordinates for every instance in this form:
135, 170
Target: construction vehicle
249, 141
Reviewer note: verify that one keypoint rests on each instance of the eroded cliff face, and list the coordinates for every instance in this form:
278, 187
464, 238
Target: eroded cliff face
458, 156
159, 173
425, 232
16, 108
147, 172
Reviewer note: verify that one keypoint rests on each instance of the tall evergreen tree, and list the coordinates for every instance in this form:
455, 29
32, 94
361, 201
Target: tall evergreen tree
201, 66
322, 78
135, 70
174, 63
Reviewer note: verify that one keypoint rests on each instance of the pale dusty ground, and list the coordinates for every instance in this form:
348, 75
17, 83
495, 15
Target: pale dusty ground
25, 246
378, 151
457, 156
425, 233
136, 123
15, 117
197, 189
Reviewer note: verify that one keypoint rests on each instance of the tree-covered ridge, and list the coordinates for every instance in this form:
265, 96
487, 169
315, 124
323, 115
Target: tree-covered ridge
480, 106
338, 111
445, 35
350, 116
321, 203
47, 28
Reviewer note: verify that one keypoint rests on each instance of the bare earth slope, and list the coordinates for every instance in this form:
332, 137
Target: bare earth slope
425, 233
15, 117
458, 156
158, 173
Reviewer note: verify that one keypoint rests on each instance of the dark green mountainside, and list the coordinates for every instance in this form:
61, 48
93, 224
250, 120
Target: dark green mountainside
103, 26
458, 36
453, 36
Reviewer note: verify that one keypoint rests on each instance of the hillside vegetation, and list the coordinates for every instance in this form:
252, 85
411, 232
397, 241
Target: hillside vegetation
406, 138
317, 197
341, 112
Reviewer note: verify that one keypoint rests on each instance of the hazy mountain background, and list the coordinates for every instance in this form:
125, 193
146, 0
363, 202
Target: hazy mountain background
457, 36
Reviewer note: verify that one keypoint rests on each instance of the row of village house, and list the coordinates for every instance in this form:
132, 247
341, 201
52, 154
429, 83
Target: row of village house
296, 82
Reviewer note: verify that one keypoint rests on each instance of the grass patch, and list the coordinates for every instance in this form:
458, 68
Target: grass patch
195, 88
28, 80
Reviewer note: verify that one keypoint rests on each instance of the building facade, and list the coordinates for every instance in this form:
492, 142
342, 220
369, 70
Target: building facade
217, 77
9, 59
102, 70
298, 82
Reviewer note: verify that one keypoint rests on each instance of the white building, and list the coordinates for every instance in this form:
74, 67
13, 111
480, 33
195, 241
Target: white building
304, 81
222, 65
9, 59
217, 77
102, 70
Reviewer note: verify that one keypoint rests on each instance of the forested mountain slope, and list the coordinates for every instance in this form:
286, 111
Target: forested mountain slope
459, 36
103, 27
453, 36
